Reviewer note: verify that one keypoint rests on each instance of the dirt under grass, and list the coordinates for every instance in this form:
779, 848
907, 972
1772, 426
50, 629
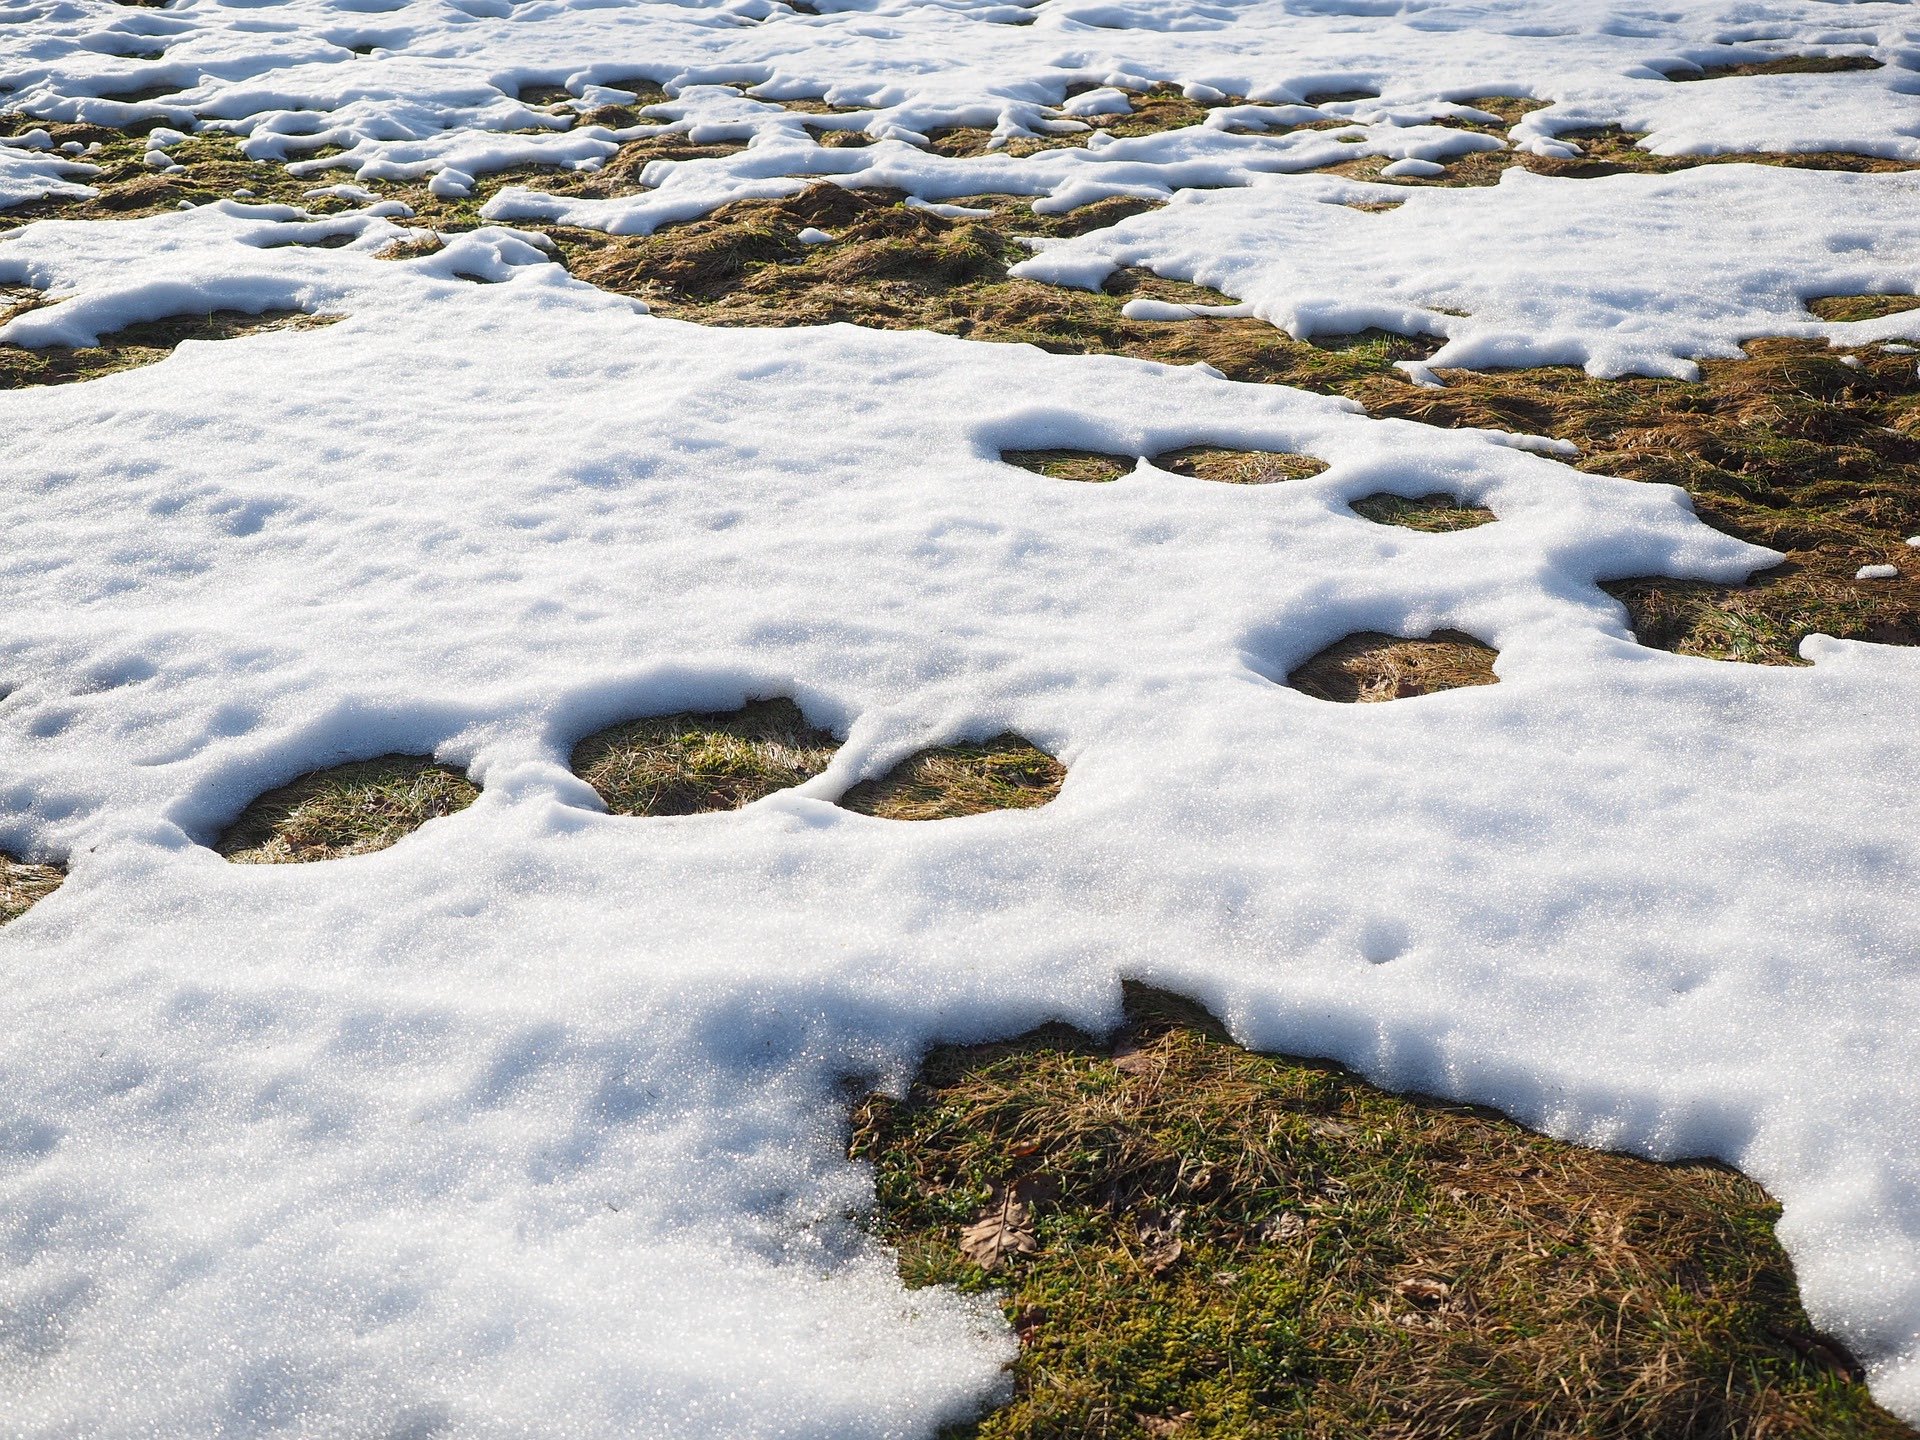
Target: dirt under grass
22, 884
345, 810
1193, 1240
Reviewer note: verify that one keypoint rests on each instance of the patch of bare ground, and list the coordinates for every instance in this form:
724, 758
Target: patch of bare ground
1370, 666
1793, 448
1239, 467
144, 344
1193, 1240
1862, 307
895, 267
1785, 65
1008, 772
690, 762
22, 884
1437, 513
1154, 112
343, 810
1087, 466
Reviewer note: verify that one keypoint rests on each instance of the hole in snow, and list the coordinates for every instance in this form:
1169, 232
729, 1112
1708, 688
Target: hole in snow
345, 810
1862, 307
1008, 772
1239, 467
143, 94
1437, 512
539, 95
1127, 1195
22, 884
144, 344
1089, 465
1786, 65
1339, 97
1371, 666
693, 762
1764, 621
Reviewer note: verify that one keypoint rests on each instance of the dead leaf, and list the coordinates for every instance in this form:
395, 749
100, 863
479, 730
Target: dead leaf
1130, 1057
1161, 1246
1004, 1228
1423, 1291
1333, 1129
1158, 1425
1284, 1227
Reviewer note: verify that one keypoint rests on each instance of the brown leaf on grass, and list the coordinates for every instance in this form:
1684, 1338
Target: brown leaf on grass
1158, 1425
1005, 1227
1284, 1227
1130, 1057
1161, 1246
1421, 1290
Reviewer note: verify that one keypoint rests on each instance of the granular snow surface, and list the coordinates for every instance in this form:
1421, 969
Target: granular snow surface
533, 1124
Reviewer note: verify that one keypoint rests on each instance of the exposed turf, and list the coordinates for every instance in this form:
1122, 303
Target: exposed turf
1786, 65
137, 345
21, 884
1239, 467
345, 810
1438, 513
1087, 466
1368, 667
1193, 1240
693, 762
1007, 772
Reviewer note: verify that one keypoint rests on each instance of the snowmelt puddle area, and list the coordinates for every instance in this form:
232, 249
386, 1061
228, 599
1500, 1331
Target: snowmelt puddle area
533, 1123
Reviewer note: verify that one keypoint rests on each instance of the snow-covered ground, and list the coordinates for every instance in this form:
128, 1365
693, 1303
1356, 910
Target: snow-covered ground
531, 1124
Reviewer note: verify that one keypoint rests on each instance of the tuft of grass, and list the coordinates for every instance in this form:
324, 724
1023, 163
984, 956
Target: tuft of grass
1369, 666
1862, 307
1008, 772
1239, 467
690, 763
1089, 466
1231, 1245
147, 343
349, 809
1438, 513
22, 884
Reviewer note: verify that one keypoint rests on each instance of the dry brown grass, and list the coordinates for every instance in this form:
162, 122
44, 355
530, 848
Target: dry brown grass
691, 762
1792, 448
1233, 1246
1088, 466
345, 810
1437, 513
1239, 467
1786, 65
144, 344
1007, 772
1368, 667
21, 884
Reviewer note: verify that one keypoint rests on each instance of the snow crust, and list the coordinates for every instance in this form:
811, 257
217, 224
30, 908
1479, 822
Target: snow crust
531, 1125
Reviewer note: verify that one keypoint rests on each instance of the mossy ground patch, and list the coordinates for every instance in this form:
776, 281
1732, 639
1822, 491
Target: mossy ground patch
351, 809
1008, 772
1193, 1240
1369, 666
23, 883
692, 762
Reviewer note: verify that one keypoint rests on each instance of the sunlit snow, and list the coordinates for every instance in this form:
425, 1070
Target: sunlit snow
532, 1125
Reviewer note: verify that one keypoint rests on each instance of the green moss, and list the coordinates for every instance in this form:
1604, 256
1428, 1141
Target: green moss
1235, 1245
345, 810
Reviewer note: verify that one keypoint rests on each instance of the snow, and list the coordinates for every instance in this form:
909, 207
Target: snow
1877, 572
531, 1125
